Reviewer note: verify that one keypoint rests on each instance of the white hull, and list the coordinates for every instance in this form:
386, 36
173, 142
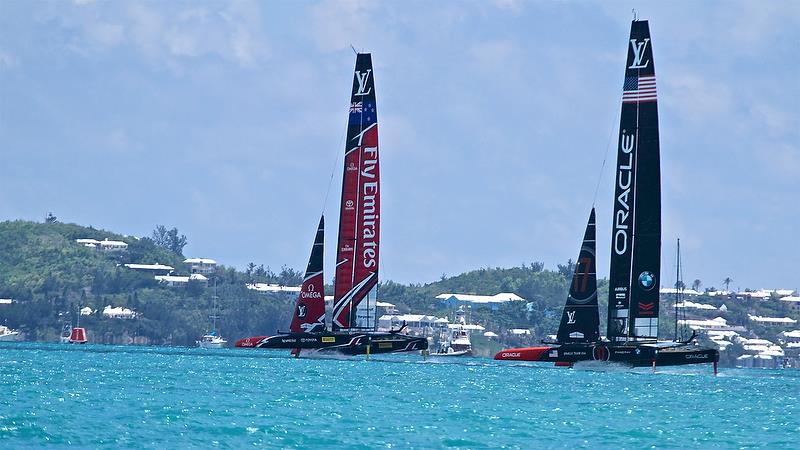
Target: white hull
7, 334
9, 337
211, 342
459, 353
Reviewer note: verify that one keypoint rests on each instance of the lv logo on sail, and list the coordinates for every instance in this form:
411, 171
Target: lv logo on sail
570, 317
362, 78
638, 53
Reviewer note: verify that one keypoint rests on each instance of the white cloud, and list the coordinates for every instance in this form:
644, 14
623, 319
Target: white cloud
171, 34
696, 96
338, 24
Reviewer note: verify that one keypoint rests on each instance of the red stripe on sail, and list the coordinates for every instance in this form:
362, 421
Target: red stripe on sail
347, 224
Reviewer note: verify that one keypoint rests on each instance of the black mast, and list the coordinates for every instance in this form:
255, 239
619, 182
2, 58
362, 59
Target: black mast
636, 230
678, 288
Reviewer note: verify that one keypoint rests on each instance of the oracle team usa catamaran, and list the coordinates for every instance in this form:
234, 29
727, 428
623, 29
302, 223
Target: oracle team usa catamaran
633, 297
354, 320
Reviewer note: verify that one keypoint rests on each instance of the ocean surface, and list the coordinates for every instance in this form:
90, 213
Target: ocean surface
95, 396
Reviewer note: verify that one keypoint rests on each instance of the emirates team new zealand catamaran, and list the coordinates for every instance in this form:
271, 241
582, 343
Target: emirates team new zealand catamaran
633, 302
354, 320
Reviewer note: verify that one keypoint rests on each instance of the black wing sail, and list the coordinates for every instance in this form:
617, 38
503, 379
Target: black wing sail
636, 230
309, 312
580, 320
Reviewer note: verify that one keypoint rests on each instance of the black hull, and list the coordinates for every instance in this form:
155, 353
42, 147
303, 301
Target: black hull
635, 355
346, 343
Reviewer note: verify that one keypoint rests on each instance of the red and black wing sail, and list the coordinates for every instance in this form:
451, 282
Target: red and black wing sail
309, 312
580, 321
636, 230
359, 216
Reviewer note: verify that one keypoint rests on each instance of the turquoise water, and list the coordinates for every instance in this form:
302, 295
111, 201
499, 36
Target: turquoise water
108, 396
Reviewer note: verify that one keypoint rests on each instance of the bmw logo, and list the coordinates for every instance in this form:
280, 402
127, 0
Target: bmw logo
647, 280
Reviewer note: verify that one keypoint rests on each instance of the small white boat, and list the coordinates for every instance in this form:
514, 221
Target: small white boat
457, 342
211, 340
7, 334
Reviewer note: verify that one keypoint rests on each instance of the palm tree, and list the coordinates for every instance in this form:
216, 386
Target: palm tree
696, 285
727, 282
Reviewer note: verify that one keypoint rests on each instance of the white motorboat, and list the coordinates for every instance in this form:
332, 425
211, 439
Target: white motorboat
7, 334
211, 340
456, 342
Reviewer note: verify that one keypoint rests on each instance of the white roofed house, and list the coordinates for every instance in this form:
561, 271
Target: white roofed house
178, 280
118, 312
773, 321
718, 324
673, 293
417, 324
155, 269
755, 295
274, 288
686, 304
112, 246
91, 243
491, 301
793, 302
204, 266
760, 353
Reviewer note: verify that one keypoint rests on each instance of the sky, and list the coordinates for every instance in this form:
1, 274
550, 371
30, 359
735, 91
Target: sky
227, 119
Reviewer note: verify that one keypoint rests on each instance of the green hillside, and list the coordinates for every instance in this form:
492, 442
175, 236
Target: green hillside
50, 277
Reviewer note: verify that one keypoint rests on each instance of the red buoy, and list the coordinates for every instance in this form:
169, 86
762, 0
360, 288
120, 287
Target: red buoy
78, 336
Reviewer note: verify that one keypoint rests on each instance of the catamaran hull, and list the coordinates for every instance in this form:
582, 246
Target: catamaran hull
632, 355
345, 343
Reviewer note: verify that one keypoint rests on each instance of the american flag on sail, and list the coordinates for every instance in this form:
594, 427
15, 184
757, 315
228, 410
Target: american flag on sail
639, 89
355, 107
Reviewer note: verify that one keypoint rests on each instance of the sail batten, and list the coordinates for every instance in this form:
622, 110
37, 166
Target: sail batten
636, 237
359, 214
